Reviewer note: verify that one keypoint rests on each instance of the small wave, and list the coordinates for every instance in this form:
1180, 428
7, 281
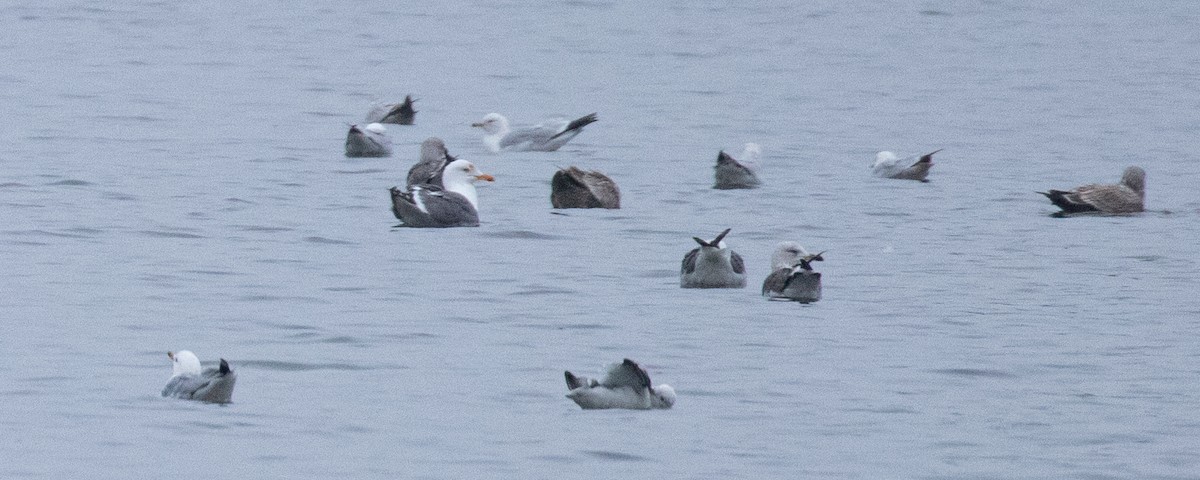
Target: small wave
328, 241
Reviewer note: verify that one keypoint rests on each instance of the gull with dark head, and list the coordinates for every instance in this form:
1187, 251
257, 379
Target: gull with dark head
213, 385
712, 265
369, 141
888, 165
544, 137
394, 113
1126, 197
731, 173
625, 385
792, 276
454, 204
575, 188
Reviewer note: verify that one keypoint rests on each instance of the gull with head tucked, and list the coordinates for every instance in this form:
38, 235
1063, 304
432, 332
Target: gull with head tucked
1126, 197
395, 113
731, 173
369, 141
214, 385
544, 137
888, 165
625, 385
792, 276
712, 265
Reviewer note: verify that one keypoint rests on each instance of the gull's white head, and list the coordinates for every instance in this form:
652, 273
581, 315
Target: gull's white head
884, 157
464, 171
377, 128
493, 123
786, 255
184, 362
663, 396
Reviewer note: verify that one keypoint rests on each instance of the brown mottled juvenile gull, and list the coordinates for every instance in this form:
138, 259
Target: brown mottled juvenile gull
1126, 197
712, 265
625, 385
575, 188
370, 141
394, 113
452, 205
888, 165
792, 276
544, 137
214, 385
731, 173
428, 169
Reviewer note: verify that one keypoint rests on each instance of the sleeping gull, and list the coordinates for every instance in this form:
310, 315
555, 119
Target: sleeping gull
428, 169
712, 265
395, 113
575, 188
888, 165
733, 173
371, 141
792, 276
214, 385
1125, 197
452, 205
544, 137
625, 385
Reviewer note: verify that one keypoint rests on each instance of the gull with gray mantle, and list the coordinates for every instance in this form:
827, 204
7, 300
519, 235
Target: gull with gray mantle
731, 173
792, 276
433, 161
712, 265
888, 165
395, 113
625, 385
1126, 197
213, 385
370, 141
454, 204
544, 137
576, 188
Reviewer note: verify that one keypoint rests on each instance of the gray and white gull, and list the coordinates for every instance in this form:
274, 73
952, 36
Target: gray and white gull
792, 276
731, 173
369, 141
454, 204
213, 385
625, 385
1128, 196
712, 265
544, 137
888, 165
394, 113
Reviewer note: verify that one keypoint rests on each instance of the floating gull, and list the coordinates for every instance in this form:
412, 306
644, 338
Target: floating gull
731, 173
1126, 197
395, 113
371, 141
792, 276
712, 265
214, 385
452, 205
575, 188
626, 385
545, 137
434, 158
887, 165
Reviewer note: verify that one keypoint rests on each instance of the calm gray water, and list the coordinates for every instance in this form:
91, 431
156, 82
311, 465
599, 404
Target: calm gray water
172, 178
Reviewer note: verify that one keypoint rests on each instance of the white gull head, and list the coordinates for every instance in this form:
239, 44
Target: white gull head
184, 362
460, 176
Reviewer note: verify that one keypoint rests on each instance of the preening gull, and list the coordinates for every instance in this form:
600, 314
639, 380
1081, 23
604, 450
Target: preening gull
575, 188
733, 173
395, 113
370, 141
1125, 197
792, 276
428, 169
214, 385
452, 205
625, 385
544, 137
712, 265
888, 165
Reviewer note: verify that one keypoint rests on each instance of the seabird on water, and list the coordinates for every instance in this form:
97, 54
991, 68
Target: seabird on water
733, 173
712, 265
625, 385
370, 141
888, 165
575, 188
214, 385
428, 169
454, 204
394, 113
792, 276
544, 137
1126, 197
